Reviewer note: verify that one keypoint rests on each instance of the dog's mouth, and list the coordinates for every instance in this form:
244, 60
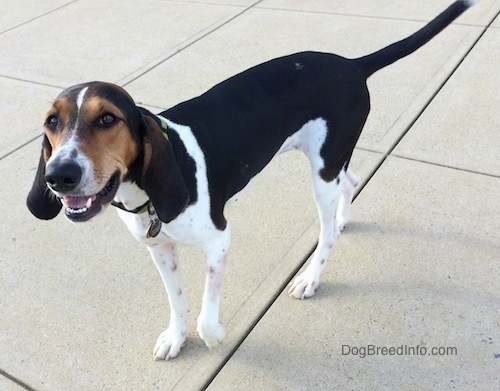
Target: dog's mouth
83, 208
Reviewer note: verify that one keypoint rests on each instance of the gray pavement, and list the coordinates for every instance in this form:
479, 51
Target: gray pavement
417, 270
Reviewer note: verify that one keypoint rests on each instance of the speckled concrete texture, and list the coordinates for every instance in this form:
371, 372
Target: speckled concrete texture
467, 112
8, 385
416, 271
81, 305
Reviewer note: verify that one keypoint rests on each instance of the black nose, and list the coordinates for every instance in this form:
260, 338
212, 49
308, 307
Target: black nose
63, 177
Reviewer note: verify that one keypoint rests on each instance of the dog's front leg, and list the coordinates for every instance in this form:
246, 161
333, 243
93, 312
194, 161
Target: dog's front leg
173, 338
209, 328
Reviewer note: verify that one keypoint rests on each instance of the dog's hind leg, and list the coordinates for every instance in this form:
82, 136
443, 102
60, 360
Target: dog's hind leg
343, 210
327, 196
328, 180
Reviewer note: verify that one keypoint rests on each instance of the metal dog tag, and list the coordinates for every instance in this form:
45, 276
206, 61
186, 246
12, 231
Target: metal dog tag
154, 222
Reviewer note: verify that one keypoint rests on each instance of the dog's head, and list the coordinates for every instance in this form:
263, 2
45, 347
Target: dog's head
95, 137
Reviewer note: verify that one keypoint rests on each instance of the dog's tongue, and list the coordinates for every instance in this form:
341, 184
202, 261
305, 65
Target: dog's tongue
79, 202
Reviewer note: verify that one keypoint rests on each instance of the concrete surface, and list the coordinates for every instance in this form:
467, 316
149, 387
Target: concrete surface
81, 306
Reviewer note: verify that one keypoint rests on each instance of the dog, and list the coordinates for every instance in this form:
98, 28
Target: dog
170, 175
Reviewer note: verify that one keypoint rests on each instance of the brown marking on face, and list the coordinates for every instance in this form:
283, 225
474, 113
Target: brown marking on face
110, 147
46, 151
65, 111
96, 124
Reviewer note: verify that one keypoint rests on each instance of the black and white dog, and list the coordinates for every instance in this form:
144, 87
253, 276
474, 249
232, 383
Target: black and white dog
171, 174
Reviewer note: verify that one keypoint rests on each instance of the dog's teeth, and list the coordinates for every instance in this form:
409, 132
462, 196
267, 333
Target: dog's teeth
78, 211
89, 202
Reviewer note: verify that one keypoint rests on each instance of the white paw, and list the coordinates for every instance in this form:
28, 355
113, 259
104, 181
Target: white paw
169, 343
211, 334
303, 286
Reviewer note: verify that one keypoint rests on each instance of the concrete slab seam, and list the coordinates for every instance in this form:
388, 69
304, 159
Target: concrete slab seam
184, 45
37, 17
389, 152
358, 191
16, 380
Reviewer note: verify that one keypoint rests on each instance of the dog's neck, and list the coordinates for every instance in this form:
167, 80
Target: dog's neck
131, 198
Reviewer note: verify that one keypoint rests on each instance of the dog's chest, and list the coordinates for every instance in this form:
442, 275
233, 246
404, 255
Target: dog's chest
190, 227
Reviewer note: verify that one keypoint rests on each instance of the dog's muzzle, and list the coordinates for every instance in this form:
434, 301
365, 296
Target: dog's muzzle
64, 180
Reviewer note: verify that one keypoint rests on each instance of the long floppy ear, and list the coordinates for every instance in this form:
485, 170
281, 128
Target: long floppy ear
41, 201
161, 177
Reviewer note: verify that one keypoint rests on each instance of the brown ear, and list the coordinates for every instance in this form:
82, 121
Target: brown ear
161, 177
41, 202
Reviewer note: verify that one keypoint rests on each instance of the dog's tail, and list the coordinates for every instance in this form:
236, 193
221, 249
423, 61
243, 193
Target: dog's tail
386, 56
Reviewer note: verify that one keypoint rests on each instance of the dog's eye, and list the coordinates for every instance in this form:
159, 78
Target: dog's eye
52, 122
107, 120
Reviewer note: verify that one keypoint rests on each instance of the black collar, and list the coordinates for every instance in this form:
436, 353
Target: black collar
140, 209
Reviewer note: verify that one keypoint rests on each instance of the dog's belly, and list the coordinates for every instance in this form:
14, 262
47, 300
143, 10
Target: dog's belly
308, 139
